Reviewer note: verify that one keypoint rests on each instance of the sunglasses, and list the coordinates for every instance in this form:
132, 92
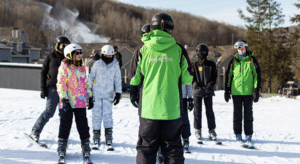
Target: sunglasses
239, 45
78, 53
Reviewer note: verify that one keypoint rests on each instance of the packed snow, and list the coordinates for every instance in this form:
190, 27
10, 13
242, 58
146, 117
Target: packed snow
276, 133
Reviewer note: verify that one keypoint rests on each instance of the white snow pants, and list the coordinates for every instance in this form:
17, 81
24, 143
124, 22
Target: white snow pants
102, 110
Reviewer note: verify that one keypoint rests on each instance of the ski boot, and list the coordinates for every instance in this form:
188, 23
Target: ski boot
35, 136
212, 135
85, 146
61, 150
248, 143
186, 145
108, 139
198, 136
239, 139
96, 139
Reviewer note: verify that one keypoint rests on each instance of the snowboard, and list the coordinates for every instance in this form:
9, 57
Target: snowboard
33, 142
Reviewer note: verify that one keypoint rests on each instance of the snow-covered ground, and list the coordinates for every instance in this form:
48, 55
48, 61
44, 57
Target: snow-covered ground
276, 133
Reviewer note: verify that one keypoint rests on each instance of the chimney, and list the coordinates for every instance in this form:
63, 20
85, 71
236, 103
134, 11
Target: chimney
16, 33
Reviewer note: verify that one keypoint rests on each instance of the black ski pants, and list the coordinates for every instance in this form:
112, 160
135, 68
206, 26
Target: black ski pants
66, 119
238, 103
51, 104
186, 130
209, 112
159, 133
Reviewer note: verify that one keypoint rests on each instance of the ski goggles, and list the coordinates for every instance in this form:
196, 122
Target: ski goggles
239, 45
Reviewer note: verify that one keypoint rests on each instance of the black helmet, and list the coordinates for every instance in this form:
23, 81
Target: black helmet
59, 40
162, 21
145, 29
116, 48
202, 51
62, 39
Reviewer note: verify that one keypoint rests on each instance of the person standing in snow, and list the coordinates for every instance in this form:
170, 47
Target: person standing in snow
74, 92
118, 56
205, 76
48, 85
243, 81
105, 81
162, 68
92, 59
187, 104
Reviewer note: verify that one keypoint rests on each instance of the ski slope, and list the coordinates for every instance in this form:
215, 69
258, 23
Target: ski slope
276, 133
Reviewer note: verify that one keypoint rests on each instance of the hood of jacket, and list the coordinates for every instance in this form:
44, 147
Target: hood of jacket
158, 40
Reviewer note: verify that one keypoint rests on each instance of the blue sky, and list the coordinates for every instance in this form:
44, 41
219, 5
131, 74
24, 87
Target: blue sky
217, 10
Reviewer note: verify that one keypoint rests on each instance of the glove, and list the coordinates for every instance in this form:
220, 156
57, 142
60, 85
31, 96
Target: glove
199, 91
227, 94
190, 104
134, 96
255, 95
90, 103
65, 105
208, 90
117, 98
44, 93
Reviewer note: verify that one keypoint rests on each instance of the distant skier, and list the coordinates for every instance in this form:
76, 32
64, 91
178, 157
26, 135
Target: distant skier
92, 59
105, 81
187, 104
162, 67
118, 56
48, 85
74, 92
243, 81
205, 76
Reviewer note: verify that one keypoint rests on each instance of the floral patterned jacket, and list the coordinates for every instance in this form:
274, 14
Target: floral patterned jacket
72, 84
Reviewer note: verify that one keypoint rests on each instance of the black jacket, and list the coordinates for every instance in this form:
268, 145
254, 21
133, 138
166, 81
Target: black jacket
118, 56
204, 74
50, 70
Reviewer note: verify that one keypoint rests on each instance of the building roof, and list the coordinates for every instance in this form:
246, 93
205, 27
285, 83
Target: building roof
3, 45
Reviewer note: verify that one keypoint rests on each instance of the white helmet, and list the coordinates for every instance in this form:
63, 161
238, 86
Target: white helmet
107, 50
70, 48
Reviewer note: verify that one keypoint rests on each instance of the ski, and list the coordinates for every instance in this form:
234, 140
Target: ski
186, 150
213, 138
33, 142
61, 160
215, 141
200, 142
248, 145
109, 148
87, 160
95, 147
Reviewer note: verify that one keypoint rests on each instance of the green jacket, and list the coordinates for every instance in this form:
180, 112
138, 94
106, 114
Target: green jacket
162, 68
243, 75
